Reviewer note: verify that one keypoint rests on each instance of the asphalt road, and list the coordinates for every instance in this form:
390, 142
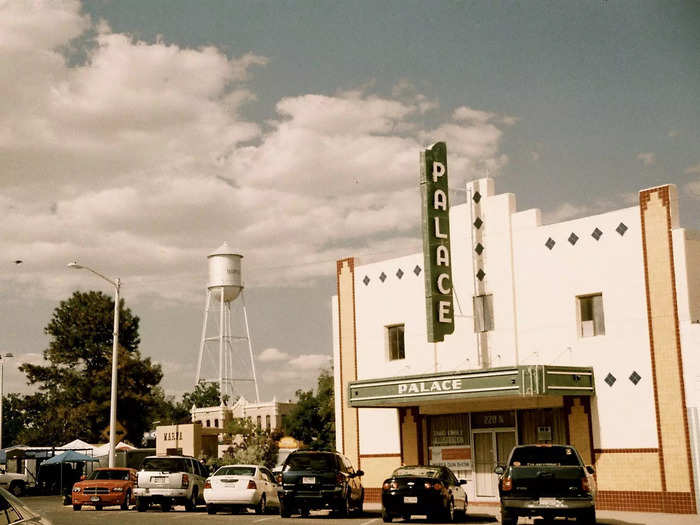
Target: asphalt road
50, 507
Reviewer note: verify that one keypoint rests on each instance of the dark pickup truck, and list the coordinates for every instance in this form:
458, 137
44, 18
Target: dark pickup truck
547, 481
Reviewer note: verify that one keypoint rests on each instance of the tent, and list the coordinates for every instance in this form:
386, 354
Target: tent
70, 456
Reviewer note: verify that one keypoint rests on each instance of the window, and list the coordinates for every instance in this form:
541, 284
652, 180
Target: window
395, 342
216, 423
259, 422
267, 422
208, 423
591, 321
483, 313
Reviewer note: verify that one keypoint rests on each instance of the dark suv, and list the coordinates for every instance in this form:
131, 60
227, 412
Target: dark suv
319, 480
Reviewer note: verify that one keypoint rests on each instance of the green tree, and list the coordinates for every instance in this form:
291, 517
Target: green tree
203, 395
250, 444
313, 419
73, 398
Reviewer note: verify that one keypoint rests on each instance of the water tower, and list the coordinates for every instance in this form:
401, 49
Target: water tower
224, 287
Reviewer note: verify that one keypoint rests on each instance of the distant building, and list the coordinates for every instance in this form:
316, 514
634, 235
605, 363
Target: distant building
266, 415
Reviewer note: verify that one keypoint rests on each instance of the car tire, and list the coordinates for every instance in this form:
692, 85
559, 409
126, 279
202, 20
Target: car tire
211, 509
587, 517
191, 503
77, 507
261, 507
343, 509
386, 517
127, 501
98, 507
304, 511
508, 518
17, 488
142, 504
406, 517
360, 507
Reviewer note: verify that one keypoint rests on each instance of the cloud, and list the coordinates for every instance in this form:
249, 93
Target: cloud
311, 361
693, 189
695, 169
648, 159
270, 355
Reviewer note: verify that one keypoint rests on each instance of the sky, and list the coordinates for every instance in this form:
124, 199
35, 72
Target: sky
136, 137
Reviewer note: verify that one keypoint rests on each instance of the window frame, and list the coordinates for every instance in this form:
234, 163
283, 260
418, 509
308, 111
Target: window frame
483, 313
400, 348
598, 326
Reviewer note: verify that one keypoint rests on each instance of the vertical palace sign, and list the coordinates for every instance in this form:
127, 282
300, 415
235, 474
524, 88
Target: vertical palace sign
436, 242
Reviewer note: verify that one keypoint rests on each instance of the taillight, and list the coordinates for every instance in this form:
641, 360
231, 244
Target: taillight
251, 485
136, 482
437, 486
339, 478
386, 486
185, 481
585, 484
507, 484
279, 478
390, 485
207, 484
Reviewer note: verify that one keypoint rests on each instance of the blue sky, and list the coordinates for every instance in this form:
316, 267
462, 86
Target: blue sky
138, 136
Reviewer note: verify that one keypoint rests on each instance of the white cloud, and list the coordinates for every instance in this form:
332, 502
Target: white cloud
695, 169
311, 361
270, 355
648, 159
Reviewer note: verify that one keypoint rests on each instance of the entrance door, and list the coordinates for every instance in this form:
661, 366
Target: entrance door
491, 449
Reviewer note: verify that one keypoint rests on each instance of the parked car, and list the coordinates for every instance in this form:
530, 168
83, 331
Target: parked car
420, 489
16, 483
547, 481
168, 481
241, 486
319, 480
105, 487
16, 512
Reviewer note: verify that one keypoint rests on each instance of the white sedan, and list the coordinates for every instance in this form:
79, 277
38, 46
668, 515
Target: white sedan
241, 486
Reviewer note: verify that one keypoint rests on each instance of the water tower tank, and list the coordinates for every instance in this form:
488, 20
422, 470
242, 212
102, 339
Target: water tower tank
225, 271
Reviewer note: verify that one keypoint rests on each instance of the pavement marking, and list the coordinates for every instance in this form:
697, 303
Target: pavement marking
264, 519
370, 521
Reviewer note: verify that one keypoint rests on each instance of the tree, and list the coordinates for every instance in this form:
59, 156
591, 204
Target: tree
73, 398
203, 395
249, 444
313, 419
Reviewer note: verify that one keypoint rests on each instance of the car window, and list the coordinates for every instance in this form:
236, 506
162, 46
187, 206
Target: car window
317, 462
109, 474
264, 476
165, 464
545, 456
423, 472
235, 471
8, 514
348, 465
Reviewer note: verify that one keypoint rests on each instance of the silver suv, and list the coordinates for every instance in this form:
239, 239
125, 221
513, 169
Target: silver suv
168, 481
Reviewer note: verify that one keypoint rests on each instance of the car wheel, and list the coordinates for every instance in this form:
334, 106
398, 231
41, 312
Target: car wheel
406, 517
305, 511
261, 507
98, 507
386, 517
17, 488
211, 509
191, 503
587, 517
508, 518
450, 511
77, 507
141, 504
284, 510
360, 507
127, 501
344, 507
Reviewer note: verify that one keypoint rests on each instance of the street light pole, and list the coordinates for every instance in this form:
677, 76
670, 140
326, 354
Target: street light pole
115, 345
2, 373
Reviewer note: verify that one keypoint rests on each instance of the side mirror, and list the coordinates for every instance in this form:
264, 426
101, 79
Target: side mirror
360, 473
590, 469
462, 481
499, 470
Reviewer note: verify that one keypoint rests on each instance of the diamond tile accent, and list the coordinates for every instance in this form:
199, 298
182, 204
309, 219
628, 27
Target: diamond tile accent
366, 280
416, 270
399, 273
480, 274
382, 277
635, 377
477, 197
610, 379
478, 222
573, 238
621, 228
479, 248
597, 234
550, 243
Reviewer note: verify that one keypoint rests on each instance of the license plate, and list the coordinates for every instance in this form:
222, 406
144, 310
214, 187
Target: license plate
549, 502
95, 498
158, 479
410, 499
308, 480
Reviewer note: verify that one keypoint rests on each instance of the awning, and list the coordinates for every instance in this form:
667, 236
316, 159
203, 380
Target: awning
531, 380
70, 456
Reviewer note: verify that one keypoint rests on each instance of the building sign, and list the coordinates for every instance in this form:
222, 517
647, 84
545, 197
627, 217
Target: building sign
493, 419
455, 458
449, 441
436, 242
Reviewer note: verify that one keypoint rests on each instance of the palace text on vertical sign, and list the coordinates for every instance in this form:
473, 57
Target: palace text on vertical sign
436, 242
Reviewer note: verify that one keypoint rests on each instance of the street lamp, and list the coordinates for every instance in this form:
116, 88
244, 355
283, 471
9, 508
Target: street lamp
115, 337
2, 370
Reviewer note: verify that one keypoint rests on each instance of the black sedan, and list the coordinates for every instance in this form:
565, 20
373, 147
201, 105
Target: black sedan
430, 490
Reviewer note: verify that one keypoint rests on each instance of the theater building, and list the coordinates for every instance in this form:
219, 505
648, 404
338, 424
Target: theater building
584, 332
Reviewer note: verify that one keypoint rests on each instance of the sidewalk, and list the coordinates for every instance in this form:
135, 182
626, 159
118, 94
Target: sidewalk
490, 514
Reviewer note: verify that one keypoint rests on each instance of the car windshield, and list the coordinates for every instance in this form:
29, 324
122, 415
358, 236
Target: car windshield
164, 464
421, 472
317, 462
109, 474
545, 456
235, 471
